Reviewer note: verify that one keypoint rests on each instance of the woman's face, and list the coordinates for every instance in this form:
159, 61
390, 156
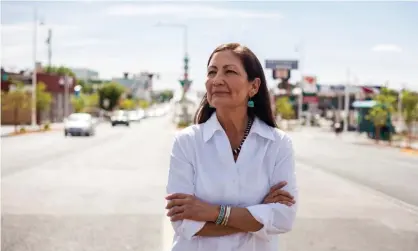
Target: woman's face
227, 85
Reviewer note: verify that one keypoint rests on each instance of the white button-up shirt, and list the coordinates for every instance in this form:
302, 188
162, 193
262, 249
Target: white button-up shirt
202, 164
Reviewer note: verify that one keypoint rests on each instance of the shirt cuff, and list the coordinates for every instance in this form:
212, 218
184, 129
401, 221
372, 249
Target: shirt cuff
189, 228
262, 213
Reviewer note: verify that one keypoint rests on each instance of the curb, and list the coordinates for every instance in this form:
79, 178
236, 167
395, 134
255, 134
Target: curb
15, 134
410, 151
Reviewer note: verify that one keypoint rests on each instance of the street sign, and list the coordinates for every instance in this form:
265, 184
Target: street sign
281, 73
282, 64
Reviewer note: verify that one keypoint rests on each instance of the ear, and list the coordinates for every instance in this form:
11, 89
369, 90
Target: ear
255, 86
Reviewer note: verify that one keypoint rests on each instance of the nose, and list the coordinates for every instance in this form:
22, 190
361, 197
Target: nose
217, 80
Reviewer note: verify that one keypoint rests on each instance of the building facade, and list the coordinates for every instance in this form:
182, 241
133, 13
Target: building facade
138, 85
61, 89
85, 74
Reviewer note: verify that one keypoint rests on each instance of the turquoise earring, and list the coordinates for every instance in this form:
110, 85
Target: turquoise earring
250, 103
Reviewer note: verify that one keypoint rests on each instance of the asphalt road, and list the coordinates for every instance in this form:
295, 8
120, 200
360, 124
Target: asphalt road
106, 193
100, 193
384, 169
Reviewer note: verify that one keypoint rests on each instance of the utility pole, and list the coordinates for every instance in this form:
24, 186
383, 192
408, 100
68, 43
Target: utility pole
48, 43
66, 92
68, 81
34, 72
400, 116
347, 100
339, 107
301, 70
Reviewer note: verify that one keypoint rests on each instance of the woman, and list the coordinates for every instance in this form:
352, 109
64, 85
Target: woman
231, 180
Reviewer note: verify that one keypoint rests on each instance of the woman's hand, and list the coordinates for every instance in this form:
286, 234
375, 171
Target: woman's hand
185, 206
277, 195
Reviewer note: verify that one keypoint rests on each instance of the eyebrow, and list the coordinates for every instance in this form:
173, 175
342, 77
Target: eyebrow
225, 66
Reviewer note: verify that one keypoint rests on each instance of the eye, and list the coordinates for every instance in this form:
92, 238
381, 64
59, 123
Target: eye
211, 73
230, 71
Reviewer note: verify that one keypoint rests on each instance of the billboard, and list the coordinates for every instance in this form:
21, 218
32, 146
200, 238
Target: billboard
282, 64
309, 84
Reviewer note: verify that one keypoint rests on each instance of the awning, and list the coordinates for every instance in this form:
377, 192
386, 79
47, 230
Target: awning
364, 103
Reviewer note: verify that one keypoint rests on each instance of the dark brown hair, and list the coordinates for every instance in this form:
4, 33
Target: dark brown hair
251, 64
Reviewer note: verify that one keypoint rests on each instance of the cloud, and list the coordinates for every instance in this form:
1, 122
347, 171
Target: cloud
387, 48
22, 33
28, 26
188, 11
17, 41
86, 42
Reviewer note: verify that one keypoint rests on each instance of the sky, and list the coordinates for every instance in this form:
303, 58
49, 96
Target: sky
376, 42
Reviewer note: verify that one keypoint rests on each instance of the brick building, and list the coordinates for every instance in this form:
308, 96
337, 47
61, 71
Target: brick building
55, 85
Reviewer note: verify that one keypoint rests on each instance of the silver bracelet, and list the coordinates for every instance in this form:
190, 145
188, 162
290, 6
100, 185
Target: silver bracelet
227, 214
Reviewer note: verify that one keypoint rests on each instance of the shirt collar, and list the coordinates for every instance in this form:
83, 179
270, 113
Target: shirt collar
258, 127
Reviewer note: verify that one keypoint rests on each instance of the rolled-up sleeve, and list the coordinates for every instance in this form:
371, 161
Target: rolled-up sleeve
278, 218
181, 180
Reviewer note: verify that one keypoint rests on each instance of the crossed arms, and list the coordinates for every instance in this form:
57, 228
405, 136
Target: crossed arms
192, 217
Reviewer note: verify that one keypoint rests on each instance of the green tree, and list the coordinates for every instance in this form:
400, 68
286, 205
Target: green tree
78, 103
378, 115
16, 100
86, 87
166, 95
85, 102
60, 70
409, 111
143, 104
43, 98
93, 100
109, 95
127, 104
388, 98
284, 108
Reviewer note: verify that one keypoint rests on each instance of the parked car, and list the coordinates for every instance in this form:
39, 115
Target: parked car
120, 118
82, 124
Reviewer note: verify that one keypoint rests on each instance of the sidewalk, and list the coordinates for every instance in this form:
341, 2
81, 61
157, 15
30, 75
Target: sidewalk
7, 130
355, 138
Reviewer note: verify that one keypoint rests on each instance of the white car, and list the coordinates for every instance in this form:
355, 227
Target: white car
120, 117
79, 124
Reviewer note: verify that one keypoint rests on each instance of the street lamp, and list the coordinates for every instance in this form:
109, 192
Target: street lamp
185, 83
34, 72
